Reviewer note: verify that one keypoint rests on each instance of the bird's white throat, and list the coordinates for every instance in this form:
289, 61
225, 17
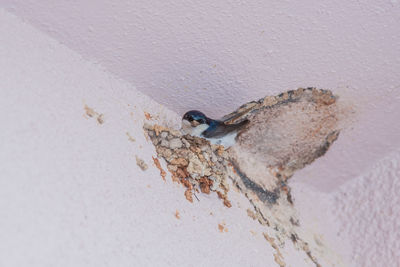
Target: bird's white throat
187, 128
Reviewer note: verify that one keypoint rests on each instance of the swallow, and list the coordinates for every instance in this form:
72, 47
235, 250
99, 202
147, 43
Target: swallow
196, 123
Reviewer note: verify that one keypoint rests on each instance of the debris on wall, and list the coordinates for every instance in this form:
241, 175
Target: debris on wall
90, 112
285, 133
177, 215
130, 138
142, 165
222, 227
278, 255
158, 165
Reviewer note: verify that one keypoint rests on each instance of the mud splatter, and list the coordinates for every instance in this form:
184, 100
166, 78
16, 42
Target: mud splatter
90, 112
158, 165
142, 165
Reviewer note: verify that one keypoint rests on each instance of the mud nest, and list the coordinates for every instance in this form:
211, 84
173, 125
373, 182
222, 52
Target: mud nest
192, 161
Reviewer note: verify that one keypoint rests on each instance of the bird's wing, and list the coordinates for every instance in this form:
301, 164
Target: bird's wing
223, 129
241, 113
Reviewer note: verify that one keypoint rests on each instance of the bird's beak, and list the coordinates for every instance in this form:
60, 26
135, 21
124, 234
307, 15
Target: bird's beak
186, 127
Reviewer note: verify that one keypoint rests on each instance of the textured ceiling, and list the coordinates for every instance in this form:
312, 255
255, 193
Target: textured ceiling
216, 55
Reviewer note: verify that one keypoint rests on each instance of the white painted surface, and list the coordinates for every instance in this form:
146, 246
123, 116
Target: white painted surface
368, 212
216, 55
71, 192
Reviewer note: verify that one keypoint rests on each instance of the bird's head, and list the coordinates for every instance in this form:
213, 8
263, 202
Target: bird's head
195, 122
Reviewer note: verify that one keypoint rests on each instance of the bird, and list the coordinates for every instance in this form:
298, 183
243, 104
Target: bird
196, 123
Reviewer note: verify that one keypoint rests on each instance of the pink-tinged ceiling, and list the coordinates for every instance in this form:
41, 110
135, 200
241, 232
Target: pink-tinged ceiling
76, 195
72, 193
216, 55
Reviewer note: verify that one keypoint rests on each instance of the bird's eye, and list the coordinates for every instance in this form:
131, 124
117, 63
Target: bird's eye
201, 121
190, 118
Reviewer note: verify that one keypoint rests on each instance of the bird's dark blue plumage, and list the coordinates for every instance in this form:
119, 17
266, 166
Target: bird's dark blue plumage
218, 129
197, 116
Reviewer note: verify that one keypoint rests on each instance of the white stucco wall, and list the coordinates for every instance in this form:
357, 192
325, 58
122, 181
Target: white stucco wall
71, 191
368, 213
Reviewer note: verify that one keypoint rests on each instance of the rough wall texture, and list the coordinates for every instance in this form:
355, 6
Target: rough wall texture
368, 211
234, 50
72, 193
216, 55
71, 200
